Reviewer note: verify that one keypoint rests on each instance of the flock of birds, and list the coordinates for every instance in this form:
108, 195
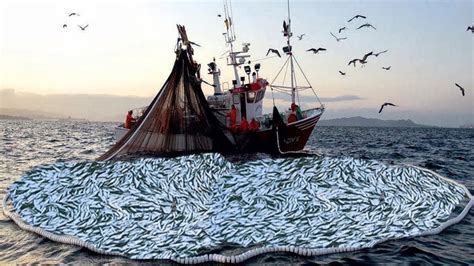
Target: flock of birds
362, 61
80, 26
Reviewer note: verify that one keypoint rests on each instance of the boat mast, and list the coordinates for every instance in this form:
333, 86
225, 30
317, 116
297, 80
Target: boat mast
290, 53
292, 61
235, 59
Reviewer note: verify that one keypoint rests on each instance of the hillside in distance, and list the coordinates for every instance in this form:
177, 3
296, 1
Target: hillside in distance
359, 121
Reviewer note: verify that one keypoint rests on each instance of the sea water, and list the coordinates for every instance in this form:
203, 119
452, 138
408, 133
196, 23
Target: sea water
449, 152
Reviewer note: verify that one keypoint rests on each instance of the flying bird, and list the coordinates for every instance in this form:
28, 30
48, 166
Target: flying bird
470, 28
338, 39
64, 26
342, 73
366, 25
285, 28
353, 61
387, 68
361, 61
73, 14
316, 50
83, 27
300, 37
385, 104
341, 29
364, 59
219, 15
379, 53
357, 16
461, 88
275, 51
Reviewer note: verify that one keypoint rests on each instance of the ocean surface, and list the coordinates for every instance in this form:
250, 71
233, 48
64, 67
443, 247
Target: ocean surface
449, 152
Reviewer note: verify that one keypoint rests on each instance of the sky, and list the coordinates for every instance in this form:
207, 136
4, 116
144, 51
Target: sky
127, 50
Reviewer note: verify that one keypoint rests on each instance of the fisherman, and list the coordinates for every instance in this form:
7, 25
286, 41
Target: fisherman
232, 114
254, 125
129, 120
244, 124
292, 116
299, 114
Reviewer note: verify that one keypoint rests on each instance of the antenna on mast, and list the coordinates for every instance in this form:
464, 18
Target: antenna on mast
234, 59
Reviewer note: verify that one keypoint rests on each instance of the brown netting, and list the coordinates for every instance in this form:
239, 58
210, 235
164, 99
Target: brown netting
178, 120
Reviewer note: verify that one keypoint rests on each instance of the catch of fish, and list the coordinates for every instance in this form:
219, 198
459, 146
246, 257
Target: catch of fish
165, 208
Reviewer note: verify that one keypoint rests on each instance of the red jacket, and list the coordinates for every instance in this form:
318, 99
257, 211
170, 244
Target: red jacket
232, 114
129, 121
292, 117
244, 124
254, 125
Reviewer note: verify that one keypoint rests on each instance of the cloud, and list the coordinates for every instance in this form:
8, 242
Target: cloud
309, 98
341, 98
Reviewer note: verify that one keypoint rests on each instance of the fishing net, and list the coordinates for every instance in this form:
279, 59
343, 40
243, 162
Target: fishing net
190, 208
178, 120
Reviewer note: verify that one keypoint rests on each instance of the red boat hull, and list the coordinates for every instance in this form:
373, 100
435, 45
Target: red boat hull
290, 138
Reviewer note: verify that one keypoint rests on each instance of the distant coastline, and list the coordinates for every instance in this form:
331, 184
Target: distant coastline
358, 121
10, 117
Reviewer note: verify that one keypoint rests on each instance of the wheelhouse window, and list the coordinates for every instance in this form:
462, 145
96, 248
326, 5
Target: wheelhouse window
236, 99
250, 97
260, 95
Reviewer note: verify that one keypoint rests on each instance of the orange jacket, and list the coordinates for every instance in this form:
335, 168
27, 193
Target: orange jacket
233, 116
244, 124
254, 125
292, 117
128, 121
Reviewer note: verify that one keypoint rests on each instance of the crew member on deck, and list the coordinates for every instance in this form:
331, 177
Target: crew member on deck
299, 114
232, 114
129, 120
244, 124
254, 125
292, 116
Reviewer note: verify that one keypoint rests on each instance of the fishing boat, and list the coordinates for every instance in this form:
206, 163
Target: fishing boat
276, 133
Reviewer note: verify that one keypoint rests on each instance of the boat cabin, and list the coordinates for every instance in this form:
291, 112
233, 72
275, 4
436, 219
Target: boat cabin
248, 99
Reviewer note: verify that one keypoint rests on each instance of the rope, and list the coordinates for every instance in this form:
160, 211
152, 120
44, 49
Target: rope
307, 81
66, 239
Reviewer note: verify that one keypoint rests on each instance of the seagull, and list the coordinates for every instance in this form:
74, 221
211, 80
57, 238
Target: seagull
353, 61
387, 68
285, 28
379, 53
356, 16
300, 37
366, 25
337, 39
461, 88
341, 29
385, 104
470, 28
73, 14
363, 62
275, 51
316, 50
64, 26
83, 28
342, 73
364, 59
